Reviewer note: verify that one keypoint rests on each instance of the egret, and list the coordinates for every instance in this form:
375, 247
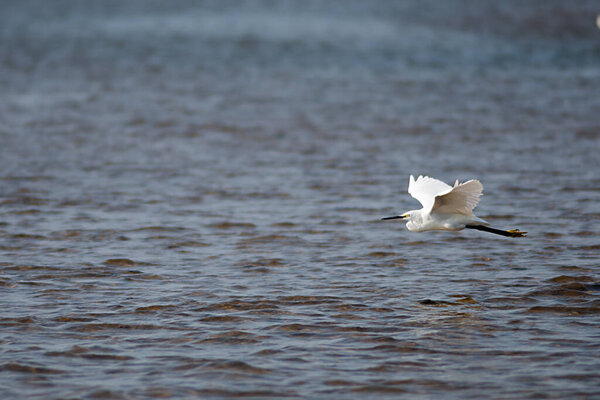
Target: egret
447, 208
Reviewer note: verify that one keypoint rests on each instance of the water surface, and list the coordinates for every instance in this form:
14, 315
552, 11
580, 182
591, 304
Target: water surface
190, 197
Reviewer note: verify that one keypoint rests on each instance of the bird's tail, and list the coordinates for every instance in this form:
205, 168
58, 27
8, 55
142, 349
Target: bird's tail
479, 221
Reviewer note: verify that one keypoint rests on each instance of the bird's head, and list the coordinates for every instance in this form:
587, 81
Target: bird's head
413, 219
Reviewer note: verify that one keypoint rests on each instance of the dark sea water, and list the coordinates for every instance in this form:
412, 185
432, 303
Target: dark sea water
190, 195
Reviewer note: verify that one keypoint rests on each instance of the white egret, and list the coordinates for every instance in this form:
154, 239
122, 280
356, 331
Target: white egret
447, 208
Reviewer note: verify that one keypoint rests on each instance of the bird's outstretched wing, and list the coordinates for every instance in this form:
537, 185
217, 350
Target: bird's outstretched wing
425, 189
462, 198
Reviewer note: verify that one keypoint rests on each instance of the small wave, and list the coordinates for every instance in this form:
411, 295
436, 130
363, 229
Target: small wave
592, 308
120, 262
240, 305
231, 337
30, 369
231, 225
154, 308
110, 326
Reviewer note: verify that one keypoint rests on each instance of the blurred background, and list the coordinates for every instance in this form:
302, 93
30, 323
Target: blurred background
190, 195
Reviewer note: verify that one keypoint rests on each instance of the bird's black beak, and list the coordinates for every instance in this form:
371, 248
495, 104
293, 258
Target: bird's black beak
394, 217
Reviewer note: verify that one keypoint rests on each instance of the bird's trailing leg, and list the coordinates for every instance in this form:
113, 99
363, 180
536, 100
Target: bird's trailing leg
508, 233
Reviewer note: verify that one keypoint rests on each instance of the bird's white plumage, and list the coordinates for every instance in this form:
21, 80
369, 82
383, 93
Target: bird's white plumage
461, 199
437, 196
447, 208
425, 189
444, 207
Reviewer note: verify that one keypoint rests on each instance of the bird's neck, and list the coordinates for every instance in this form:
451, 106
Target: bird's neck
416, 216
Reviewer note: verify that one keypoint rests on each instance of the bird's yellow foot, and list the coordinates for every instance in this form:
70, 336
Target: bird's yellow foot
516, 233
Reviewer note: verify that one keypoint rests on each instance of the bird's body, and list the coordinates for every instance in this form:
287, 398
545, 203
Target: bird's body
420, 221
447, 208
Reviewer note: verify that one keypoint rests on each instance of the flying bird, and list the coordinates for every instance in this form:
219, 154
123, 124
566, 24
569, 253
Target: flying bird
447, 208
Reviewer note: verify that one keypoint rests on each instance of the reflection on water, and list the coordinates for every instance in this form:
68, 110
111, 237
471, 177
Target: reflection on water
190, 198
